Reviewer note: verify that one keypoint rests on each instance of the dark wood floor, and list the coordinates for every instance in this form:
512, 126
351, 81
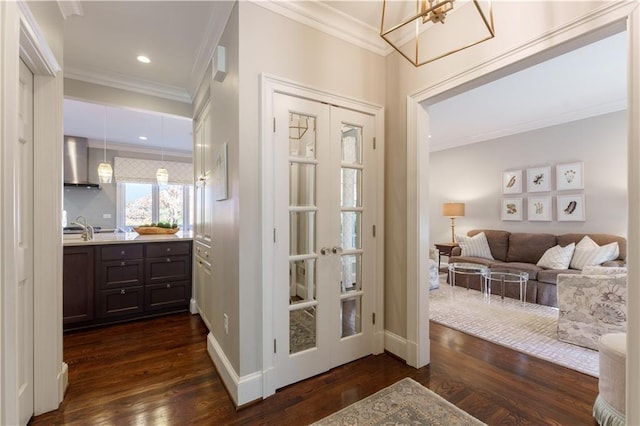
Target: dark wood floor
157, 371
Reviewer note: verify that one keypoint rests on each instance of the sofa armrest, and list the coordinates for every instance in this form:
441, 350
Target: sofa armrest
456, 251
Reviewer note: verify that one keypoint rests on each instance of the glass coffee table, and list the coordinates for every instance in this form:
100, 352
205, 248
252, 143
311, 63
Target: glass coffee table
467, 270
505, 278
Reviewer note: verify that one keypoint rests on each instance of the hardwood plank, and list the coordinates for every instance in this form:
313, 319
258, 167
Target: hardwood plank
157, 371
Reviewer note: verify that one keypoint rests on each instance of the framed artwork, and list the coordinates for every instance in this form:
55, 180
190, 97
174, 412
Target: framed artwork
539, 179
511, 208
539, 209
571, 208
220, 174
512, 182
569, 176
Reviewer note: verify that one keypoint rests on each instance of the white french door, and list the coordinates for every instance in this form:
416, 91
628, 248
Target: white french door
324, 210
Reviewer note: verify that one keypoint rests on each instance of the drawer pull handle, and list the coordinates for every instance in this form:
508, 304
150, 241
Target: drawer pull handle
122, 252
122, 291
168, 249
206, 253
168, 260
121, 263
168, 285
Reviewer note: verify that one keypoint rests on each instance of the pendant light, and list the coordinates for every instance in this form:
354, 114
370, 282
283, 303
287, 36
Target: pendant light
162, 175
105, 172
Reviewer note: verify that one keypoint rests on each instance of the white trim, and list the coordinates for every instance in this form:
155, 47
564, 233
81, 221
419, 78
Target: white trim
139, 149
243, 389
322, 17
395, 344
128, 83
269, 85
633, 203
34, 50
610, 17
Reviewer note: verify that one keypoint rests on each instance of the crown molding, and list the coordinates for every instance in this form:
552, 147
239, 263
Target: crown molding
113, 146
544, 122
70, 8
322, 17
217, 23
131, 84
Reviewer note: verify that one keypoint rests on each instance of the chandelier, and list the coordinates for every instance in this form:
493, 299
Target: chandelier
412, 27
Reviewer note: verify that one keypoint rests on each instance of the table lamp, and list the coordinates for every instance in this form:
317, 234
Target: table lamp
453, 210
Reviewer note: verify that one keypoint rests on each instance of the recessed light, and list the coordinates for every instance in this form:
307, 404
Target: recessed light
143, 59
142, 138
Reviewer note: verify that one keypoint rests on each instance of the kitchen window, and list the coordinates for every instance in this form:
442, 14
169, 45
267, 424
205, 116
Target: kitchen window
144, 203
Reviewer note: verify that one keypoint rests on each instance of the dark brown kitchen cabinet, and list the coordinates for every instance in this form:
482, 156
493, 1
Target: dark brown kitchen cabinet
119, 282
78, 285
168, 275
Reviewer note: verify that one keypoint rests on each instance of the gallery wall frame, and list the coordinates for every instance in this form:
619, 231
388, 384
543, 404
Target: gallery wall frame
570, 176
539, 209
512, 182
571, 208
539, 179
511, 209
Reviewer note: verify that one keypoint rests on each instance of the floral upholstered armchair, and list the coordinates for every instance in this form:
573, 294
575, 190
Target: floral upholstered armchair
592, 304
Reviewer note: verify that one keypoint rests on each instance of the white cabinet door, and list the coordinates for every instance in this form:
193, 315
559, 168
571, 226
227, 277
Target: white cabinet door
202, 170
203, 280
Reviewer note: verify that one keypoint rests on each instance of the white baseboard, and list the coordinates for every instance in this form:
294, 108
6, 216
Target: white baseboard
243, 389
63, 381
193, 306
395, 344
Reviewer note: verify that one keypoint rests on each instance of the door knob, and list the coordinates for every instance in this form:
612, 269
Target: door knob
336, 250
325, 251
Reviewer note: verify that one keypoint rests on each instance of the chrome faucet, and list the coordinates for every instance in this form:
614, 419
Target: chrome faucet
87, 230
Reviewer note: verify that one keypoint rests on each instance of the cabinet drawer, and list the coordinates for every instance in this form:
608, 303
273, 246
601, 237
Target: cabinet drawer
203, 251
168, 249
120, 273
168, 295
121, 301
170, 268
121, 252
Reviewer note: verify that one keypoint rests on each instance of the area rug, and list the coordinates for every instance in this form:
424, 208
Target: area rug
406, 402
525, 327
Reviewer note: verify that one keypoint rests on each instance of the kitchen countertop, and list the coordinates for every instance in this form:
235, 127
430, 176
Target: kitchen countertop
124, 238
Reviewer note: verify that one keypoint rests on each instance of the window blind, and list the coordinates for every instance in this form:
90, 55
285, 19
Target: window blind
136, 170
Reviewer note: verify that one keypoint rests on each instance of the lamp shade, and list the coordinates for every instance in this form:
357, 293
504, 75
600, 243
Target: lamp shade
453, 209
162, 175
105, 172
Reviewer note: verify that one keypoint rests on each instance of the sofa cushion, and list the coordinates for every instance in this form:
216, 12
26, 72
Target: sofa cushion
529, 247
476, 246
589, 253
557, 257
550, 276
529, 268
498, 242
600, 239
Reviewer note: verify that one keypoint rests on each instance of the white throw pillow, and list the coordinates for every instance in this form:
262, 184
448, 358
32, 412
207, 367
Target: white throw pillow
588, 253
476, 246
557, 257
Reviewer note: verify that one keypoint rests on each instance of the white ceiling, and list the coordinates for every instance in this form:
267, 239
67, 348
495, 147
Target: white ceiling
179, 37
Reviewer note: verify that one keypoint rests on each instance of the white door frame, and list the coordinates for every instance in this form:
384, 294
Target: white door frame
269, 85
21, 37
607, 20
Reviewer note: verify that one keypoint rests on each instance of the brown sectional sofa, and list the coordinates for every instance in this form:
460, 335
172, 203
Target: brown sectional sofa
519, 252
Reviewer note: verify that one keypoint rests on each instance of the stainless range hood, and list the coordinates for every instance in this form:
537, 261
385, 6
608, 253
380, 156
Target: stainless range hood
76, 155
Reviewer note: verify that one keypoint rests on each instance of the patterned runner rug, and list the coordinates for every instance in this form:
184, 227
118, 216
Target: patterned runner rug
406, 402
526, 328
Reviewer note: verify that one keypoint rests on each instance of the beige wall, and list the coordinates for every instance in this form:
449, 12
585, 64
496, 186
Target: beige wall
289, 50
518, 27
472, 174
